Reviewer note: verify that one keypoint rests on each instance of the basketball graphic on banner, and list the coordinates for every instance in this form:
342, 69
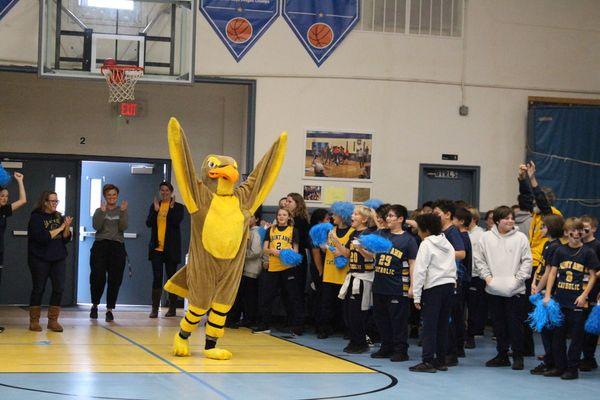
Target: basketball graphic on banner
320, 35
239, 30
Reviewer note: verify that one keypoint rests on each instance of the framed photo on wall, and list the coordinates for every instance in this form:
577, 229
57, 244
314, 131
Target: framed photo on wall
312, 193
338, 155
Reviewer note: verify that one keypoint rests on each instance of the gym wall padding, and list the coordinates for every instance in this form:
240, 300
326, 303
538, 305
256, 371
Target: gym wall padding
564, 143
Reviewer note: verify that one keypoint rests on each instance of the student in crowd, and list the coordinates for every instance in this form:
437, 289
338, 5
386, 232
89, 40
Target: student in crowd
590, 341
297, 207
476, 297
392, 287
445, 209
6, 210
334, 276
489, 220
317, 258
462, 220
164, 220
279, 276
503, 260
246, 302
573, 271
427, 207
434, 277
47, 235
108, 255
356, 290
554, 227
381, 215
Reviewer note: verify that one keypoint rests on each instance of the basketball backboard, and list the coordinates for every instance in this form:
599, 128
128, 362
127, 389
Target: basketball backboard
77, 36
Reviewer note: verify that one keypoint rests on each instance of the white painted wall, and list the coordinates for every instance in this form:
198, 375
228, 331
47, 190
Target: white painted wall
405, 88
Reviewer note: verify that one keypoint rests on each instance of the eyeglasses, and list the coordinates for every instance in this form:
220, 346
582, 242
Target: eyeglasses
53, 201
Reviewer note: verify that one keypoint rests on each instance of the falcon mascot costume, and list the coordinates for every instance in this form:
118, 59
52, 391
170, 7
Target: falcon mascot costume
220, 214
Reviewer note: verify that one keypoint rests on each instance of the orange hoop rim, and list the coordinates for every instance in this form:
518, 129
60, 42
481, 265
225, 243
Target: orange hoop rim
121, 67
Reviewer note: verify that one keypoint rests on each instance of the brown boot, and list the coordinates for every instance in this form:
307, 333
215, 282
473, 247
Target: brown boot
156, 295
34, 318
53, 313
172, 306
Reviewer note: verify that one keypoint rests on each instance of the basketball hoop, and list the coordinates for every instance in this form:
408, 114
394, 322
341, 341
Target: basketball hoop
121, 80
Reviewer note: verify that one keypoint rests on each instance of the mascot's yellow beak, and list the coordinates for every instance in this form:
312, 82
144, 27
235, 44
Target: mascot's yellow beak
228, 172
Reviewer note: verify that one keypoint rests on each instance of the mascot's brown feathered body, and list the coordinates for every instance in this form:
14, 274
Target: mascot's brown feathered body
219, 231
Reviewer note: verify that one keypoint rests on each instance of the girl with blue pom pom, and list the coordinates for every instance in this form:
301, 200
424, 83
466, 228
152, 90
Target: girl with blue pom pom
334, 272
7, 209
280, 237
392, 287
553, 225
573, 270
356, 290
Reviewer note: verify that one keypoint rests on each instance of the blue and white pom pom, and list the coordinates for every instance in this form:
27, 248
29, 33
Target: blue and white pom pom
592, 325
373, 203
344, 209
4, 177
289, 257
375, 243
544, 315
318, 233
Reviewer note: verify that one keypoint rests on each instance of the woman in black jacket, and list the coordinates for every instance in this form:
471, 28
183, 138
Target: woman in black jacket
164, 218
48, 232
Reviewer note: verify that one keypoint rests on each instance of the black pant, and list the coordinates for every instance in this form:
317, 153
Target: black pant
272, 283
590, 342
528, 345
246, 302
508, 314
391, 316
107, 258
158, 259
546, 335
354, 317
477, 307
40, 271
573, 326
330, 307
436, 303
456, 337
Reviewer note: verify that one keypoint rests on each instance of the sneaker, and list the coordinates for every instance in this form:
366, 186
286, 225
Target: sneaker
356, 349
94, 312
261, 329
470, 343
554, 373
498, 361
296, 330
460, 353
381, 354
540, 369
451, 361
588, 365
570, 374
399, 357
517, 364
323, 335
423, 367
440, 366
109, 316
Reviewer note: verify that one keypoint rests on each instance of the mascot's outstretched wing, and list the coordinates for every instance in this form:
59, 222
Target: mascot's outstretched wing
183, 165
254, 191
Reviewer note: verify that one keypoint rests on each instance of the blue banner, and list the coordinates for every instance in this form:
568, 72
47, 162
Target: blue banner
5, 6
239, 23
321, 25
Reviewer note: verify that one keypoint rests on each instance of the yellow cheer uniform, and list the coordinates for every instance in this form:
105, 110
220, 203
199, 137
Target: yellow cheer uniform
280, 237
331, 273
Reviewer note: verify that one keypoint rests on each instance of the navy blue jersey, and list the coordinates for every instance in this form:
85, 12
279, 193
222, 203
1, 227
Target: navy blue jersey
357, 262
464, 273
392, 272
547, 254
595, 246
454, 237
574, 268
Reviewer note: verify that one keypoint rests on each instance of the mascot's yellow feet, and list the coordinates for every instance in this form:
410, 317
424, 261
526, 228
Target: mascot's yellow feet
218, 354
181, 347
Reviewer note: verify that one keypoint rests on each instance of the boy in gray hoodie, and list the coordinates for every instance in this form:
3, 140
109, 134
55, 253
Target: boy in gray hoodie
504, 263
434, 279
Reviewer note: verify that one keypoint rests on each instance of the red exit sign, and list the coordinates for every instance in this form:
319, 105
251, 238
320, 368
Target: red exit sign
128, 109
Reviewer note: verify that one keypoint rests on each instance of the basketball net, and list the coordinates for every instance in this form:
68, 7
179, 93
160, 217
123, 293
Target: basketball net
121, 80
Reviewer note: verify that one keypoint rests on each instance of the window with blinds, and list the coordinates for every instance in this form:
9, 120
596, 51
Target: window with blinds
417, 17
